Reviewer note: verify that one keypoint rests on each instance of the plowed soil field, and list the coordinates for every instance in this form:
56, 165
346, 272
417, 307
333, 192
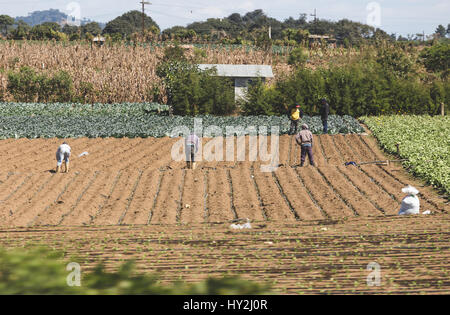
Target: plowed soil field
315, 228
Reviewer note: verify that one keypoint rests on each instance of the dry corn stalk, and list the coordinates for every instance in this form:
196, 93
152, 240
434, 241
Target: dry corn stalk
122, 73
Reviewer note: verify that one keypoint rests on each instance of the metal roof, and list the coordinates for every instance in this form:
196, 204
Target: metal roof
240, 71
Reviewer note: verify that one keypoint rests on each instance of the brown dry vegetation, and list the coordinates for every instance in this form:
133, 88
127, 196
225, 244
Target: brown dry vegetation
121, 73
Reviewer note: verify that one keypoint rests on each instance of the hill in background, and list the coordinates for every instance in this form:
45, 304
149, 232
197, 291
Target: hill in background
51, 15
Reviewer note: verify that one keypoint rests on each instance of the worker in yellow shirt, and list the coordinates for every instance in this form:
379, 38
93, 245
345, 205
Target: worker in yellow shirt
295, 115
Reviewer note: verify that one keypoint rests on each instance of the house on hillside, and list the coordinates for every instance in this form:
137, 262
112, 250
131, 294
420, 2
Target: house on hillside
242, 75
317, 40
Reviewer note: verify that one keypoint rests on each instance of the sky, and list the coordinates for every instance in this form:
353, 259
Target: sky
394, 16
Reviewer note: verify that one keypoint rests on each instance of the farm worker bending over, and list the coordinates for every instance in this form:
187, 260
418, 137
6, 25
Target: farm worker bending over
410, 204
295, 115
305, 140
63, 152
324, 111
191, 147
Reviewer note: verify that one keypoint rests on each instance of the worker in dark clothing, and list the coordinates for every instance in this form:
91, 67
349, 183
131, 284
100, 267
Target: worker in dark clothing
191, 145
324, 111
295, 115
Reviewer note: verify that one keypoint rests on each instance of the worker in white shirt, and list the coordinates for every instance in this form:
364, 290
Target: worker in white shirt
63, 153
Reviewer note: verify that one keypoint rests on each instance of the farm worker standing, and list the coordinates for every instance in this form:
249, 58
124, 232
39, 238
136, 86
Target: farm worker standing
63, 152
410, 204
191, 147
295, 115
324, 111
305, 140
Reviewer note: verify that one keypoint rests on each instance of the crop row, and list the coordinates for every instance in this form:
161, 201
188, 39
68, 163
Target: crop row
73, 109
138, 124
423, 140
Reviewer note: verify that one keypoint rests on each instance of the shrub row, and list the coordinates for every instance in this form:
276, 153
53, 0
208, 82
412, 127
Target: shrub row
355, 90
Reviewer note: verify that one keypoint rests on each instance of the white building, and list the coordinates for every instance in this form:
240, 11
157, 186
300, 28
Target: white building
241, 74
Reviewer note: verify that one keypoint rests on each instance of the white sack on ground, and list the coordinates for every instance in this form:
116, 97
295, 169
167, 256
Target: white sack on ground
410, 204
241, 226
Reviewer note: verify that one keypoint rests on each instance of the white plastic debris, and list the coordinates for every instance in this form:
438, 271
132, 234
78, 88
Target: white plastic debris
241, 226
83, 154
426, 212
410, 204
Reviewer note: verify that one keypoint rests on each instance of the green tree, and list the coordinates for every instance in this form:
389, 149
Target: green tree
24, 85
92, 28
174, 53
395, 60
21, 31
129, 23
298, 57
27, 85
47, 30
70, 29
260, 100
191, 91
52, 25
441, 31
438, 95
5, 22
436, 58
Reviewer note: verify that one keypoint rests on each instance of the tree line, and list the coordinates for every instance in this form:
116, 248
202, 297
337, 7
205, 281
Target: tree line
251, 28
120, 28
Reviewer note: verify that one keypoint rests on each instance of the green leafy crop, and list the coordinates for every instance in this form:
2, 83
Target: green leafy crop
424, 140
37, 120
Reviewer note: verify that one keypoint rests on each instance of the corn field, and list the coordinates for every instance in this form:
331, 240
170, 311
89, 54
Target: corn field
120, 73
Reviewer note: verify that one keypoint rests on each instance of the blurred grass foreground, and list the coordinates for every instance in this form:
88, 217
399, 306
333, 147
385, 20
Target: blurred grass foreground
41, 271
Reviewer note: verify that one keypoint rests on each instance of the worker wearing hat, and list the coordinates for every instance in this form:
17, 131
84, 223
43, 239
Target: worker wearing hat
295, 115
63, 152
305, 140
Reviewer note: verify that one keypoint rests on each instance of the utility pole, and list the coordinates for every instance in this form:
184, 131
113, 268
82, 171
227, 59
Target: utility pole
143, 15
315, 15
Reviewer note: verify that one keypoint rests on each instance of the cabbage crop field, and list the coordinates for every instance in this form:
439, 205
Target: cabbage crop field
74, 109
423, 140
34, 120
